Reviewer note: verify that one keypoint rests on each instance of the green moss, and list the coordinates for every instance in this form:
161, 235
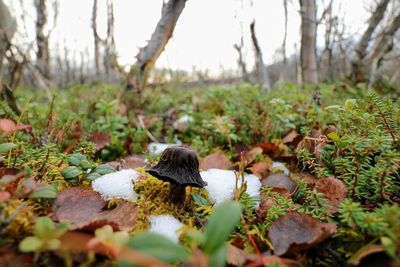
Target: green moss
153, 200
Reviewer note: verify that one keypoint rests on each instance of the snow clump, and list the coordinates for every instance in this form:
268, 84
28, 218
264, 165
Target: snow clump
221, 184
117, 185
166, 225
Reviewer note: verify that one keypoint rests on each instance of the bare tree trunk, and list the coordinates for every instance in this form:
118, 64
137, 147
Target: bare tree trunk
110, 50
327, 55
383, 46
96, 38
308, 53
42, 53
384, 43
358, 66
148, 55
285, 8
241, 63
260, 66
7, 30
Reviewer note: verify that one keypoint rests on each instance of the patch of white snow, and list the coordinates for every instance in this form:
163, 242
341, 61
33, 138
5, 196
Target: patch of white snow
166, 225
158, 148
280, 166
185, 119
117, 184
221, 184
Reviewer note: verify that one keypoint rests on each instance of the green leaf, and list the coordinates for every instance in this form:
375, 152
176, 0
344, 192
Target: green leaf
349, 104
53, 244
389, 245
85, 164
71, 172
122, 263
158, 247
46, 192
334, 136
30, 244
44, 227
76, 158
218, 258
199, 200
5, 147
93, 176
220, 224
104, 169
333, 107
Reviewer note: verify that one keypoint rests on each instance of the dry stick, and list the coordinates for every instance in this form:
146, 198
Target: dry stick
139, 123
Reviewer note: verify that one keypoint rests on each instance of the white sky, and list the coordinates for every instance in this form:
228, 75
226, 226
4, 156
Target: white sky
205, 33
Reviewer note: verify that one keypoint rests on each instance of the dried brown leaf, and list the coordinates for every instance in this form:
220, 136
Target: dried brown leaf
262, 169
334, 191
296, 232
101, 140
280, 181
251, 155
238, 257
290, 137
83, 209
10, 177
217, 160
132, 162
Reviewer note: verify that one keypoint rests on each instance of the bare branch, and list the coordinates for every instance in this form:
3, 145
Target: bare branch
260, 66
148, 55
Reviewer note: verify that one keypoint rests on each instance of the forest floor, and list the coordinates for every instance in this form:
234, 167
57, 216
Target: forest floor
294, 177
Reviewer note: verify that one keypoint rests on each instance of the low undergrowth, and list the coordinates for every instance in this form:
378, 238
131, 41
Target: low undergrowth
347, 135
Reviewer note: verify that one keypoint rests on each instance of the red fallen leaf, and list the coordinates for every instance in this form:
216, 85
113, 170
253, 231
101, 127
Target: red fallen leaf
262, 168
101, 140
334, 191
132, 162
216, 160
83, 209
295, 232
9, 126
4, 196
251, 155
269, 148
